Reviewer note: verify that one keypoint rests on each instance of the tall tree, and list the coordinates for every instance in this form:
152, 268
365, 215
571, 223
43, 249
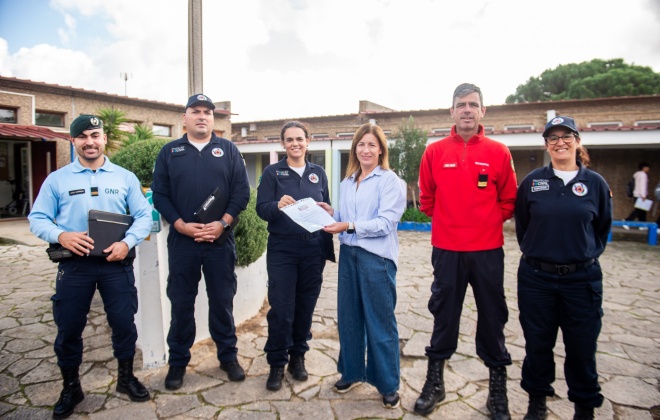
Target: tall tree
590, 79
406, 155
112, 120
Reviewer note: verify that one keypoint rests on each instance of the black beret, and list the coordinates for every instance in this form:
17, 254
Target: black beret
84, 122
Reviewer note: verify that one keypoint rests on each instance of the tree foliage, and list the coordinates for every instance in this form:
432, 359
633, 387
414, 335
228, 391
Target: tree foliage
142, 132
112, 120
251, 234
406, 154
140, 158
590, 79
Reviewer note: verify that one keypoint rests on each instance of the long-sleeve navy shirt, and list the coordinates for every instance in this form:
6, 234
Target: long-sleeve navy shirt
184, 177
563, 224
279, 180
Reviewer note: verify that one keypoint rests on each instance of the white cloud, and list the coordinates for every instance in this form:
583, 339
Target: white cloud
296, 58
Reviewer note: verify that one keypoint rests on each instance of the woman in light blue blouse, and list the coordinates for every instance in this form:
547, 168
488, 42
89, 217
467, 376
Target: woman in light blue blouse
371, 201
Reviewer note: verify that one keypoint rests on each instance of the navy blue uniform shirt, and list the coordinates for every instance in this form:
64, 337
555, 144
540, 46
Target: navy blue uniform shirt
184, 177
563, 224
279, 179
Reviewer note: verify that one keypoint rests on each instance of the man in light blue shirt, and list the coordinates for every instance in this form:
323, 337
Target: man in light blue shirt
59, 216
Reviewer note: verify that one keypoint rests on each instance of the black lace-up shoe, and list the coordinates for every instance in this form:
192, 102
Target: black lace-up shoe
234, 371
174, 378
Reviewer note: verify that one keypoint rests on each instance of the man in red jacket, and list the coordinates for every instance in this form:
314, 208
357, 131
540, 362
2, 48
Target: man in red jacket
468, 187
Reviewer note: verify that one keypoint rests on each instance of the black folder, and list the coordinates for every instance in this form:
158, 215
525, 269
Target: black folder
212, 210
105, 229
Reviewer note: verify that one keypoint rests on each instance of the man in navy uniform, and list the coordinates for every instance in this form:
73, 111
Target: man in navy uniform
59, 216
187, 171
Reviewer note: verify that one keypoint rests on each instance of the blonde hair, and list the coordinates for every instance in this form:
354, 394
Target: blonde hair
383, 159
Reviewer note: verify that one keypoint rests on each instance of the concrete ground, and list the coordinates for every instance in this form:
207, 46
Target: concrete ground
628, 354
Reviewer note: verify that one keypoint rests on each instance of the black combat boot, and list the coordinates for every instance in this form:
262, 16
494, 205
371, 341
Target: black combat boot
297, 367
128, 384
434, 388
536, 410
582, 412
274, 381
498, 403
71, 395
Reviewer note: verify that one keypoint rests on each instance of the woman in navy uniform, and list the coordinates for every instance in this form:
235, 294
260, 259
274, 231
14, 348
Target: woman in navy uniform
563, 215
295, 258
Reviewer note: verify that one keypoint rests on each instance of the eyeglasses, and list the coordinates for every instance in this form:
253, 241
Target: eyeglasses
568, 138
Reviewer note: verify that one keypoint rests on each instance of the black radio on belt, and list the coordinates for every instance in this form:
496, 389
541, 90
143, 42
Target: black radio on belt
57, 253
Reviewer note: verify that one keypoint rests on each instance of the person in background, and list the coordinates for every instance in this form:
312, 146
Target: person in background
187, 171
59, 216
295, 257
372, 200
641, 191
563, 216
468, 188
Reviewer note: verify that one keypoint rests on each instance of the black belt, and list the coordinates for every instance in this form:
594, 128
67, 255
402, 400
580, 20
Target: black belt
560, 269
300, 236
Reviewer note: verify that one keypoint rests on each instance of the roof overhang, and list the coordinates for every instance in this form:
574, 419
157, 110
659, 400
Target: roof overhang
29, 132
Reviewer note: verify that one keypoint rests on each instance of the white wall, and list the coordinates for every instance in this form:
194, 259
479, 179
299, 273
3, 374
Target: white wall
153, 317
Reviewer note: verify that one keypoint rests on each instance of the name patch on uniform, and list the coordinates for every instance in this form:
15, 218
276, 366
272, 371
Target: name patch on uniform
540, 185
450, 165
178, 150
282, 173
481, 164
218, 152
313, 178
580, 189
76, 192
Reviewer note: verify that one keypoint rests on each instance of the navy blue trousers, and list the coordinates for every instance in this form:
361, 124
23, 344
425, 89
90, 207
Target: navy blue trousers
452, 272
77, 280
295, 274
187, 261
572, 302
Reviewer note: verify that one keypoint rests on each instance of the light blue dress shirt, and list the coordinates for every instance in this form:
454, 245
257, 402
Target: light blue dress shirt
375, 207
66, 197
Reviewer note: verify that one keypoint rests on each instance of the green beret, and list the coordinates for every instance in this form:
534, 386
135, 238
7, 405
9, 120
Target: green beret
84, 122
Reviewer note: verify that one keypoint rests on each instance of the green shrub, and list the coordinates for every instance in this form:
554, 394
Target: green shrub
251, 234
414, 215
140, 158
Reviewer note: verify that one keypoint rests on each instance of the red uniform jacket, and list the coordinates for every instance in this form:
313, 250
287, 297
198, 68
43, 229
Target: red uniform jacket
468, 189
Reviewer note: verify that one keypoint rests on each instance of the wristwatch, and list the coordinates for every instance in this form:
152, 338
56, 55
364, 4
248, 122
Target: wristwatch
351, 228
225, 226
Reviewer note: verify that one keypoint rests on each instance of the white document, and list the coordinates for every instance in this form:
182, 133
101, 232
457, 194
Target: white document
643, 204
308, 214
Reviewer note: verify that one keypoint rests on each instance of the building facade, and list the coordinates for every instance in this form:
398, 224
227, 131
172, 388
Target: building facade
617, 132
34, 119
34, 131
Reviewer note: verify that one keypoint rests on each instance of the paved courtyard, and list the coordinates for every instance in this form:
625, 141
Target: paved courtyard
628, 353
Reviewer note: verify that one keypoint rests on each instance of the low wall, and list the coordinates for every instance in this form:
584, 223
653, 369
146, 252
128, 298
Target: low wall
153, 317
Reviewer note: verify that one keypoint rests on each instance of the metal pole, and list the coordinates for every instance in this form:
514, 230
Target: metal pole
195, 52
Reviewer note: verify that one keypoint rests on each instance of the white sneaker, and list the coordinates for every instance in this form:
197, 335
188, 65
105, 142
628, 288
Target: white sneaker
626, 227
643, 228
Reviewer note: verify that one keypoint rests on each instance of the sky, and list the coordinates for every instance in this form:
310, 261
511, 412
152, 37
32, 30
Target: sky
280, 59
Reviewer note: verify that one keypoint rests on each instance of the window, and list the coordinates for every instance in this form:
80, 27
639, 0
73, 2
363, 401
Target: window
319, 136
272, 138
518, 127
50, 119
647, 123
8, 115
489, 130
345, 135
608, 124
442, 131
162, 130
